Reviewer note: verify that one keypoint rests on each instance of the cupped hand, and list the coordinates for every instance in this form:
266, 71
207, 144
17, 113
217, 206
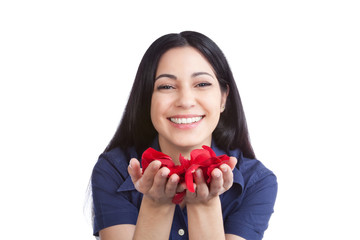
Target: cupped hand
221, 181
154, 183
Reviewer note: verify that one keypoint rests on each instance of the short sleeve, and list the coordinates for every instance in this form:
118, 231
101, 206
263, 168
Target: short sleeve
111, 207
251, 213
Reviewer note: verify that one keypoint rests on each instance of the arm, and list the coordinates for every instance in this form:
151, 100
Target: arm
233, 237
205, 220
210, 218
250, 215
204, 207
154, 222
126, 231
156, 211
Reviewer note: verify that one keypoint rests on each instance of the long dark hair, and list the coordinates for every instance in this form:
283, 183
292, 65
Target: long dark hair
136, 129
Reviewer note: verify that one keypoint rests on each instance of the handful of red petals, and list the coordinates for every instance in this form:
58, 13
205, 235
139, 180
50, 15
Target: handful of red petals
205, 159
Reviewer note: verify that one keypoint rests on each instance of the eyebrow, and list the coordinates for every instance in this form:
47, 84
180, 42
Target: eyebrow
201, 73
166, 75
174, 77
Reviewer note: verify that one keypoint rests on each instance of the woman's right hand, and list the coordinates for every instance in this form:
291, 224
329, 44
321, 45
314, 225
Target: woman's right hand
154, 183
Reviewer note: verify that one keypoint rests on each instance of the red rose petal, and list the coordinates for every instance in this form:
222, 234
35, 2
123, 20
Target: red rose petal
151, 155
211, 152
185, 163
212, 167
198, 154
179, 197
189, 178
204, 158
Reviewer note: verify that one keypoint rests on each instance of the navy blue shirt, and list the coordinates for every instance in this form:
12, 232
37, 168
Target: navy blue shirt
246, 206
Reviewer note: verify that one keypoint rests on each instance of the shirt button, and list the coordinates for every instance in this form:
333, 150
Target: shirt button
181, 232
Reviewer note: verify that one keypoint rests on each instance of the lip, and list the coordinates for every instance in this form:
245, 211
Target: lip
186, 125
187, 116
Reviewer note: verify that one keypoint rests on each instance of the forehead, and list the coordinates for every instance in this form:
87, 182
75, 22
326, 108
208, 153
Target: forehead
183, 59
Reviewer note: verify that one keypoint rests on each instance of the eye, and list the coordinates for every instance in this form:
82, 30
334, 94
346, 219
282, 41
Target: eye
165, 87
203, 84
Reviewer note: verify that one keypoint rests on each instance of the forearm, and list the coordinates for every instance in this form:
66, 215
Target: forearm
154, 220
205, 220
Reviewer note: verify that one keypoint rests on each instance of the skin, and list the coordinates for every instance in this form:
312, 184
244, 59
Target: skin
185, 87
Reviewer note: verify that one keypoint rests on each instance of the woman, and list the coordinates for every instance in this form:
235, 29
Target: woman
184, 96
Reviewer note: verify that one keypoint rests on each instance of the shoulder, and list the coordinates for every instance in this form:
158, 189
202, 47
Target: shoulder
249, 203
114, 163
117, 156
251, 176
114, 201
254, 171
251, 169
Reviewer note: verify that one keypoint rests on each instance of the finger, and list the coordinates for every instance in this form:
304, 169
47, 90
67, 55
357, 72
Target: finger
180, 187
216, 182
191, 195
227, 176
160, 180
202, 190
134, 170
146, 181
232, 162
172, 185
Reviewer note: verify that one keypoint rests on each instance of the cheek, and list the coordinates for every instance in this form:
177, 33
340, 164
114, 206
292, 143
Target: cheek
157, 109
153, 110
214, 105
214, 100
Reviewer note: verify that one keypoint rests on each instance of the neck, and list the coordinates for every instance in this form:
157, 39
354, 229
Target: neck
175, 151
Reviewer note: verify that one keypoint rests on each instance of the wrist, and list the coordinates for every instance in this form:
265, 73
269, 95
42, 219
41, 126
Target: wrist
157, 205
205, 220
205, 204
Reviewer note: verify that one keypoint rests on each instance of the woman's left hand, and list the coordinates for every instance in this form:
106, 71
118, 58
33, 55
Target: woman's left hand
221, 181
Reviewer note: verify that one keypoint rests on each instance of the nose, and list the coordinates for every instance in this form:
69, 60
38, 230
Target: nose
186, 98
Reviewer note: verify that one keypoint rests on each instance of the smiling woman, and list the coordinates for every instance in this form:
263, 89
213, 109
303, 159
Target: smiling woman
186, 102
184, 97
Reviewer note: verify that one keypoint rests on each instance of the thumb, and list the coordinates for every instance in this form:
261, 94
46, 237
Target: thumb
134, 170
232, 162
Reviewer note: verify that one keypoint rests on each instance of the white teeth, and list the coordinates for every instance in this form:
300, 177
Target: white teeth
185, 120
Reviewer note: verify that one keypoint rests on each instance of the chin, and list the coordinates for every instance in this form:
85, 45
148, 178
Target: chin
190, 144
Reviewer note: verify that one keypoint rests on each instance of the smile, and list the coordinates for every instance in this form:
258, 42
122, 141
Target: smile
186, 120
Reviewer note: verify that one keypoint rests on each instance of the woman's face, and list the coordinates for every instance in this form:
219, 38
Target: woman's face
187, 100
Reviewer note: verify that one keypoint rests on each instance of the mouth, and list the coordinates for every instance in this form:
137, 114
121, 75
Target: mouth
188, 120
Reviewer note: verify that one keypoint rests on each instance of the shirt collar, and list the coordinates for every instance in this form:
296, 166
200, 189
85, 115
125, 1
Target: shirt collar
128, 185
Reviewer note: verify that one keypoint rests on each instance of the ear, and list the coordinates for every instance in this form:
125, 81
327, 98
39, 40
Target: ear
224, 95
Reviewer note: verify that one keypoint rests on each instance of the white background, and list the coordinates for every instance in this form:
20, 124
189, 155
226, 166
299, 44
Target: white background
66, 68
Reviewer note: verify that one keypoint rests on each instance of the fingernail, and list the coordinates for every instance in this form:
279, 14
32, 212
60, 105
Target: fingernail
165, 172
224, 168
198, 173
173, 179
130, 163
157, 164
